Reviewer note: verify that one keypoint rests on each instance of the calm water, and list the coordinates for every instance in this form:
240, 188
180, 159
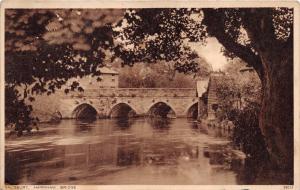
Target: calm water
136, 151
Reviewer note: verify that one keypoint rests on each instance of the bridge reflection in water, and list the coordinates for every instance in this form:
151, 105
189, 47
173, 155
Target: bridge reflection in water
112, 151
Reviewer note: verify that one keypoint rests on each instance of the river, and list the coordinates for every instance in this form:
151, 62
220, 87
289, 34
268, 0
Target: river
112, 151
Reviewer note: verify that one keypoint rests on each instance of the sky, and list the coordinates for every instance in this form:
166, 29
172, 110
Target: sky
212, 53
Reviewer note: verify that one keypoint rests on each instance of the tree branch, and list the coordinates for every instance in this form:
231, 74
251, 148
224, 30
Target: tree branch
260, 29
215, 27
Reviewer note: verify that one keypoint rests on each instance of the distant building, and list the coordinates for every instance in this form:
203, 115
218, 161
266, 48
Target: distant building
108, 79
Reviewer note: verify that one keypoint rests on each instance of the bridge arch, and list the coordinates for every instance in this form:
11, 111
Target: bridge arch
84, 111
122, 110
192, 111
161, 109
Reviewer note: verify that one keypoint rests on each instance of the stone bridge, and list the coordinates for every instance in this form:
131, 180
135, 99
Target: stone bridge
127, 102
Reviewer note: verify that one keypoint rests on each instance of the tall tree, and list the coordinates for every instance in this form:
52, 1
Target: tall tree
262, 37
269, 51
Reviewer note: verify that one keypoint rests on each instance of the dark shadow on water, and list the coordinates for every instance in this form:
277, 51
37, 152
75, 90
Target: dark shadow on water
224, 156
218, 132
12, 171
194, 124
84, 128
248, 173
159, 123
87, 120
123, 123
249, 170
259, 172
84, 124
128, 155
203, 130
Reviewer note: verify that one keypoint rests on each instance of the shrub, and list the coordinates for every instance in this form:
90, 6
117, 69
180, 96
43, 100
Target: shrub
17, 112
247, 133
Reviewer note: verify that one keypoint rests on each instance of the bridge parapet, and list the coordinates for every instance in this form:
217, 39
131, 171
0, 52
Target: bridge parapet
136, 92
141, 100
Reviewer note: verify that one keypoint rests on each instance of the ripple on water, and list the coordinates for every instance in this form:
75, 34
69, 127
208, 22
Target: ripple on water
104, 152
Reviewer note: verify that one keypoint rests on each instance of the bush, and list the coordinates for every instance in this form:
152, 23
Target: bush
17, 112
247, 133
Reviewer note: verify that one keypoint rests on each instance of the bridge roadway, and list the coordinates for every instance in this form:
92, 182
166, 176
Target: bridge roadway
123, 102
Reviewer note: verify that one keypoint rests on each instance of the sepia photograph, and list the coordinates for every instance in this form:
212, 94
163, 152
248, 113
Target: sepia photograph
143, 95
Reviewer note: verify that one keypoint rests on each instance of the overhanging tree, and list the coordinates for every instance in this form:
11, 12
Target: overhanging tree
44, 48
270, 52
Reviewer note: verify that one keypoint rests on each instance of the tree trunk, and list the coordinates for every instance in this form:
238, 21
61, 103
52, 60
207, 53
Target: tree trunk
276, 117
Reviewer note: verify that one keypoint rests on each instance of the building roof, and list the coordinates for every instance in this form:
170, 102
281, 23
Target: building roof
202, 86
106, 70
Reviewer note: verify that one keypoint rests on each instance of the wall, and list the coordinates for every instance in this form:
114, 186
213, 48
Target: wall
104, 99
212, 99
139, 99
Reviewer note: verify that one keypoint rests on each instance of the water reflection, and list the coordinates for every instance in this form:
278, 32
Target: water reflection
158, 123
114, 151
218, 132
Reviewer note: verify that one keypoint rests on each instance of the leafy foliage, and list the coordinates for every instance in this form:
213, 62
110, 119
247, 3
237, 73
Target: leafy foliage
44, 48
149, 35
237, 89
239, 95
17, 111
160, 75
247, 134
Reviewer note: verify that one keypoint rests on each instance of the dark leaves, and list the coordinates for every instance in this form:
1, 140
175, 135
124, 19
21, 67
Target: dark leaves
80, 89
158, 34
66, 91
44, 48
17, 112
99, 79
31, 99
